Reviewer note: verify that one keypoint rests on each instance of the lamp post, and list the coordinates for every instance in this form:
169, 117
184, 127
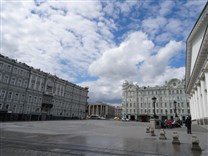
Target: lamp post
175, 109
154, 100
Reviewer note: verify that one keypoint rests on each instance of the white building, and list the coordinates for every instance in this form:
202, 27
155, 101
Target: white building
137, 101
197, 68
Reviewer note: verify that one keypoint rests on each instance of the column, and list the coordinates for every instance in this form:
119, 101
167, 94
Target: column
204, 98
102, 110
89, 110
93, 109
200, 102
96, 109
195, 104
191, 105
206, 87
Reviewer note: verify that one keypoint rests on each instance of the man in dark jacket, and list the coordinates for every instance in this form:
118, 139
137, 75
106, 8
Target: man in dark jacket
188, 124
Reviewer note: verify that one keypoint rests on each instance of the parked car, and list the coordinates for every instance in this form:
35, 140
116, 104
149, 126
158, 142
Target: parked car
94, 117
124, 119
116, 118
102, 118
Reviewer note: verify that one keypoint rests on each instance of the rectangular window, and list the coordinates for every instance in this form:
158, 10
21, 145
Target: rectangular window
1, 65
9, 95
23, 97
3, 93
15, 70
25, 83
6, 79
8, 68
19, 83
13, 80
16, 97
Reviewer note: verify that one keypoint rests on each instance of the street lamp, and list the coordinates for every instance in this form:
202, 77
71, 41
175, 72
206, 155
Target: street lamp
154, 100
175, 109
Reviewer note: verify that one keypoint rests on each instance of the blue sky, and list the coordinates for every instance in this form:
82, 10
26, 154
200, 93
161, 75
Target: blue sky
100, 44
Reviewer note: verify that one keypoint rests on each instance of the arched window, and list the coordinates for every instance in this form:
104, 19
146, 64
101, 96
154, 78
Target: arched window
7, 107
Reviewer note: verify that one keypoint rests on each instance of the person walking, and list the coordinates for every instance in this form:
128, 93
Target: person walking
188, 124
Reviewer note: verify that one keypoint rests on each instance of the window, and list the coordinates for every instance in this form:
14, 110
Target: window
9, 95
7, 107
181, 104
21, 72
38, 85
14, 108
8, 68
23, 97
1, 65
3, 93
30, 98
15, 70
19, 83
16, 97
25, 83
187, 104
6, 79
35, 99
13, 80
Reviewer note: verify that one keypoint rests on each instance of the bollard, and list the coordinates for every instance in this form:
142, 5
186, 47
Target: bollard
148, 129
162, 135
152, 131
195, 143
175, 138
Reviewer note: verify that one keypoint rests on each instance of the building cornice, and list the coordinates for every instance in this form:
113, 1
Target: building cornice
202, 56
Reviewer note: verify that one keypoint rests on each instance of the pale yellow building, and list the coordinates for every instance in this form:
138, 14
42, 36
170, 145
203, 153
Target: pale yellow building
101, 109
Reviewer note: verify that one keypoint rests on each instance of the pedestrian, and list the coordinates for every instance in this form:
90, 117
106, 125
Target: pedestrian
188, 124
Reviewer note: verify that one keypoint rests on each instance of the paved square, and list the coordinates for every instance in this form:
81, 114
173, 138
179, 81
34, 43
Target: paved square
94, 137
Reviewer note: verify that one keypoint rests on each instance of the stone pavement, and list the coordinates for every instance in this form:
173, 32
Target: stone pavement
94, 138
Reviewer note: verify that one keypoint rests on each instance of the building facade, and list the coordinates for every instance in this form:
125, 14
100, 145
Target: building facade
137, 101
101, 109
197, 68
118, 111
30, 94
